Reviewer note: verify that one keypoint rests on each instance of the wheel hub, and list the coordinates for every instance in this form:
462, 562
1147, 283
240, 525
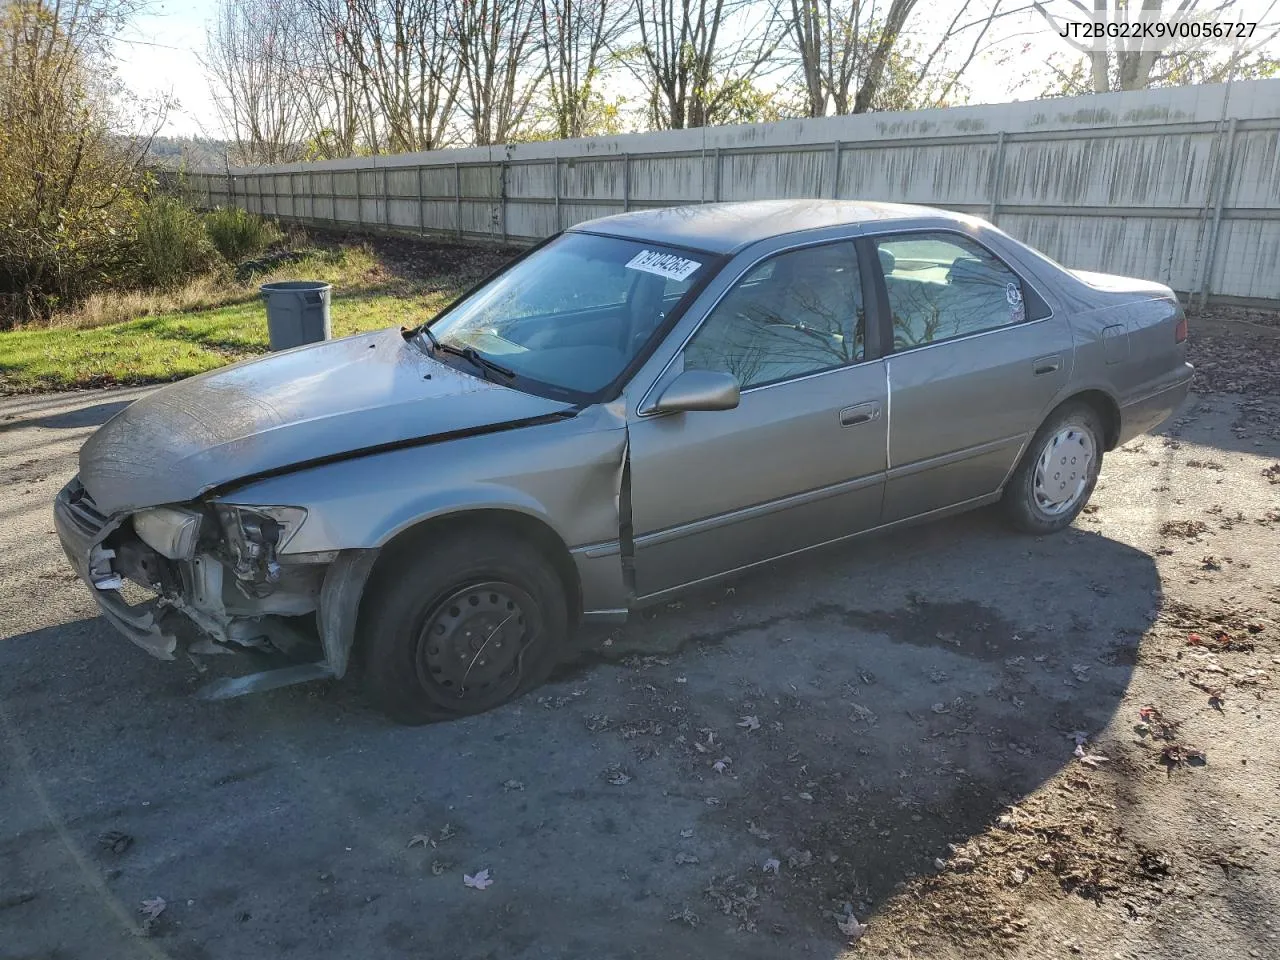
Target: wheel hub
472, 641
1064, 470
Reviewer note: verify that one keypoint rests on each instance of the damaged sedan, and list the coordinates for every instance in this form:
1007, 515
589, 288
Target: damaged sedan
641, 404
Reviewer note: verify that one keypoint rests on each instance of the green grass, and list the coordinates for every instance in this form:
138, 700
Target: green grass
174, 344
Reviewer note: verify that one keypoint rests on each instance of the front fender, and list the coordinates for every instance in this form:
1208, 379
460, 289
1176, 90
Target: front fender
565, 475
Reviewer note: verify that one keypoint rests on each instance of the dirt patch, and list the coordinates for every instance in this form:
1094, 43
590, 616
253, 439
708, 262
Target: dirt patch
418, 259
1187, 529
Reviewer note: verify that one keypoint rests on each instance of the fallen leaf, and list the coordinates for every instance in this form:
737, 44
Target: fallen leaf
721, 765
851, 928
621, 778
421, 840
683, 858
758, 833
513, 785
807, 796
115, 841
750, 723
686, 834
771, 865
478, 881
151, 910
1089, 759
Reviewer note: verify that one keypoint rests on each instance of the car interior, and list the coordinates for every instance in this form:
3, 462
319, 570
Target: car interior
797, 313
938, 289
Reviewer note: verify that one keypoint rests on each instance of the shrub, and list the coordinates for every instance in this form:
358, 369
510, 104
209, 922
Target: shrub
70, 182
172, 245
237, 234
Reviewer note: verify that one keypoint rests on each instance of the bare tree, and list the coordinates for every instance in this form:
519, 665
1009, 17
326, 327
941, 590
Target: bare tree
329, 55
497, 53
259, 92
404, 68
1128, 64
575, 37
856, 55
690, 67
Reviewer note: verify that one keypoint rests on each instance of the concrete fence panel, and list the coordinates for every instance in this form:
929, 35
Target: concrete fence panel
1180, 185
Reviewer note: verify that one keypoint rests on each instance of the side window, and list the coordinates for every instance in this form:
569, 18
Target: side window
941, 285
794, 314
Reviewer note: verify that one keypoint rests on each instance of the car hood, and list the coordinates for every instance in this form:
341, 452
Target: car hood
292, 408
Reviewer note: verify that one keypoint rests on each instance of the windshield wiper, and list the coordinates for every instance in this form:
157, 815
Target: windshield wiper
435, 344
477, 359
467, 353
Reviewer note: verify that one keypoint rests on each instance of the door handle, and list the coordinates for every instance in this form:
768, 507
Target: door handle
860, 413
1048, 364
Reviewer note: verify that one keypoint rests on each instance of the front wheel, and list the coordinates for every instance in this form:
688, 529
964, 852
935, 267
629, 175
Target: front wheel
475, 619
1058, 472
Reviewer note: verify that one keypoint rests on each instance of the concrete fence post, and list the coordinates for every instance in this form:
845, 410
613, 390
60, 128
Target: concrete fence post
997, 178
422, 201
457, 199
359, 200
502, 190
626, 182
1219, 185
555, 175
386, 201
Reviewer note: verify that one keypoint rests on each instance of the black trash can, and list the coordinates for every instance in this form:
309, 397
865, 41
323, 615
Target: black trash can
297, 312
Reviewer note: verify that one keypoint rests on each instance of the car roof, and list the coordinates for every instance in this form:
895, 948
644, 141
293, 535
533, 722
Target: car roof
728, 227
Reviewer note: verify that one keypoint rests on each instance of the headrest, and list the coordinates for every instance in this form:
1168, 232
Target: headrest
973, 270
887, 260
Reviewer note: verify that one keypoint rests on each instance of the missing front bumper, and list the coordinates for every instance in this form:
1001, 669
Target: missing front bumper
165, 626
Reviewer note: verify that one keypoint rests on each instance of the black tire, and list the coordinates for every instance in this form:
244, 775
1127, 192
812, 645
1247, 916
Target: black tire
471, 589
1024, 509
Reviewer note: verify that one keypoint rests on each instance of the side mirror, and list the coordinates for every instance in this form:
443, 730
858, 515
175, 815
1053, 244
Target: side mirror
700, 390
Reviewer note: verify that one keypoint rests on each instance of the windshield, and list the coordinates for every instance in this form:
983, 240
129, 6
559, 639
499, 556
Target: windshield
573, 314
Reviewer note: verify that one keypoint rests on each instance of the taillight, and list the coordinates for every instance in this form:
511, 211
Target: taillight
1180, 331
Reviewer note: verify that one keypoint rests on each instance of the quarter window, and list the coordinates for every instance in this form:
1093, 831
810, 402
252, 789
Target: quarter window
942, 286
795, 314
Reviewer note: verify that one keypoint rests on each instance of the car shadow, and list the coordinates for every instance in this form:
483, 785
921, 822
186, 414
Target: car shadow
846, 714
91, 416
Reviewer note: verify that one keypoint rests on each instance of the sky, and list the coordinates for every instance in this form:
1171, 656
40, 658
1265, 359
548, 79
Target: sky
162, 51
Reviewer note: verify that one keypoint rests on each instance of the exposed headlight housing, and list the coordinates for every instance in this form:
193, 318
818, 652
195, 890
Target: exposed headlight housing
170, 531
254, 535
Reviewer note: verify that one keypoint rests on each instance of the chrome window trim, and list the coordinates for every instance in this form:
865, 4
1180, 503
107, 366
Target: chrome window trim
977, 333
850, 239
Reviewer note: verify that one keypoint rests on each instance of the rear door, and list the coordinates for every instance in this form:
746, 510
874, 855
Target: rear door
976, 357
799, 462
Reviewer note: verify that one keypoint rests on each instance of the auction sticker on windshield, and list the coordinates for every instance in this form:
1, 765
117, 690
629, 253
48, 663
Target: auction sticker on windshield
663, 264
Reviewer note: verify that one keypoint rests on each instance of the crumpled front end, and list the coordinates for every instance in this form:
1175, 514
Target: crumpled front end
82, 531
203, 578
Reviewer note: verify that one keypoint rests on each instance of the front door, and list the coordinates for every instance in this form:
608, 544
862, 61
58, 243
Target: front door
976, 359
799, 462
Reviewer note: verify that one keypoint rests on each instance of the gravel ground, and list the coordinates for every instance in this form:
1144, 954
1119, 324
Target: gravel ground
886, 731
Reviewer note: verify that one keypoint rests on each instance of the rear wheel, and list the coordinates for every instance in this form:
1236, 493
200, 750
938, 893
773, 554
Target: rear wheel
1058, 471
475, 619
